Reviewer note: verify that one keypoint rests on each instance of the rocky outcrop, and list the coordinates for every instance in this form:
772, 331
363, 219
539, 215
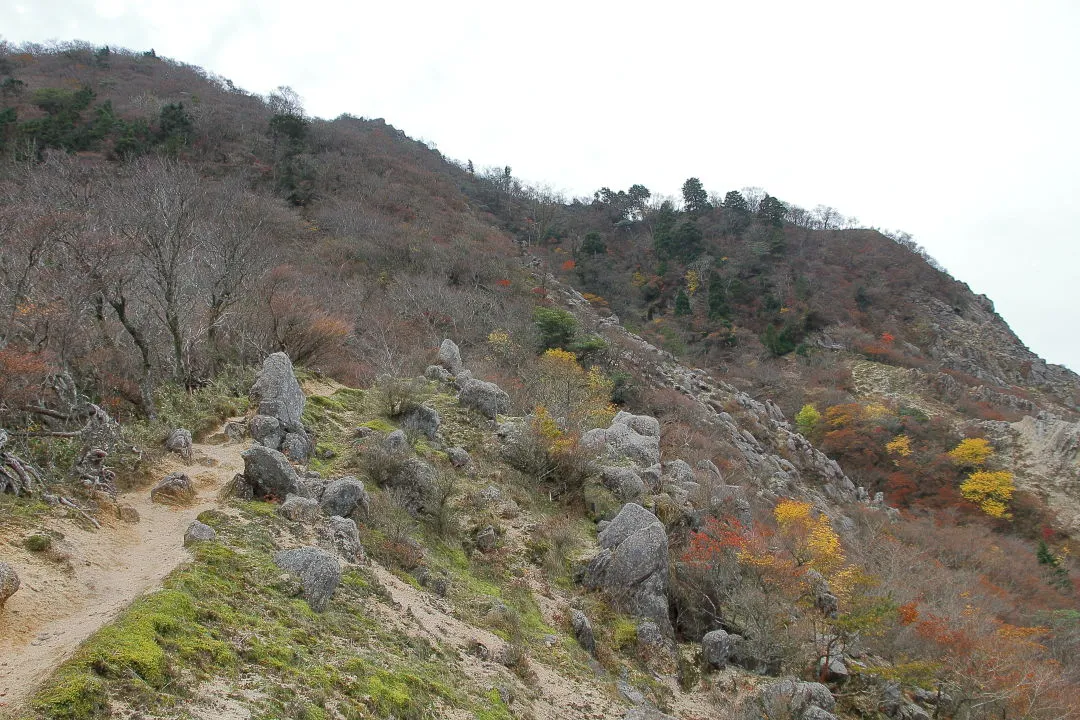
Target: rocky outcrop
630, 439
792, 699
268, 473
716, 649
199, 532
583, 631
9, 582
278, 425
341, 535
632, 566
486, 398
317, 570
422, 419
174, 489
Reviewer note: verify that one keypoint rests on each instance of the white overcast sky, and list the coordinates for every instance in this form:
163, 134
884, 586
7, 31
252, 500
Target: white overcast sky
956, 121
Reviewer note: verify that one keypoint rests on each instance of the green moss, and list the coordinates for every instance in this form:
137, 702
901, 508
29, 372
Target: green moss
379, 425
624, 634
494, 708
72, 696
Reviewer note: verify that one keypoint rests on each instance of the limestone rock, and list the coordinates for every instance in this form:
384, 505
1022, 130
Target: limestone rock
790, 698
299, 509
450, 357
174, 489
268, 472
344, 497
179, 442
583, 631
437, 373
458, 457
296, 446
486, 539
630, 438
199, 532
342, 535
396, 441
414, 484
9, 582
486, 398
266, 430
623, 481
716, 648
422, 419
633, 564
317, 570
279, 393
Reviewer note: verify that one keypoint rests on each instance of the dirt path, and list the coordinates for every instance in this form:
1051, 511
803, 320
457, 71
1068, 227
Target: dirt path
63, 603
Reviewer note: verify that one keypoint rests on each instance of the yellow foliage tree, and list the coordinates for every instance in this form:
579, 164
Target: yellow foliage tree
693, 282
900, 445
990, 490
811, 537
972, 452
566, 389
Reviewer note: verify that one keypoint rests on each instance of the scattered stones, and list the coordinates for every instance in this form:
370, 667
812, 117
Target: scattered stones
299, 509
174, 489
450, 357
437, 373
199, 532
9, 582
344, 497
486, 398
317, 570
179, 442
630, 438
269, 473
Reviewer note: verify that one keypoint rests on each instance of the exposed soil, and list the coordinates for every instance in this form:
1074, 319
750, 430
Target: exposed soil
92, 575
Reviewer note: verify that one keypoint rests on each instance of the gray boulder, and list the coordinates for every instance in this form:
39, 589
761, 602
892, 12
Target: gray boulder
487, 539
268, 472
630, 438
632, 567
174, 489
9, 582
583, 631
299, 509
716, 648
396, 441
318, 571
342, 536
437, 373
678, 472
422, 419
414, 484
296, 446
458, 457
450, 357
179, 442
278, 392
266, 430
790, 698
344, 497
835, 670
623, 481
486, 398
199, 532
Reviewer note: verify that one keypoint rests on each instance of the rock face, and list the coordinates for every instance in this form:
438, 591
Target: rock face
9, 582
583, 631
179, 442
633, 439
281, 404
317, 570
199, 532
174, 489
486, 398
450, 357
790, 698
344, 497
422, 419
633, 564
268, 472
